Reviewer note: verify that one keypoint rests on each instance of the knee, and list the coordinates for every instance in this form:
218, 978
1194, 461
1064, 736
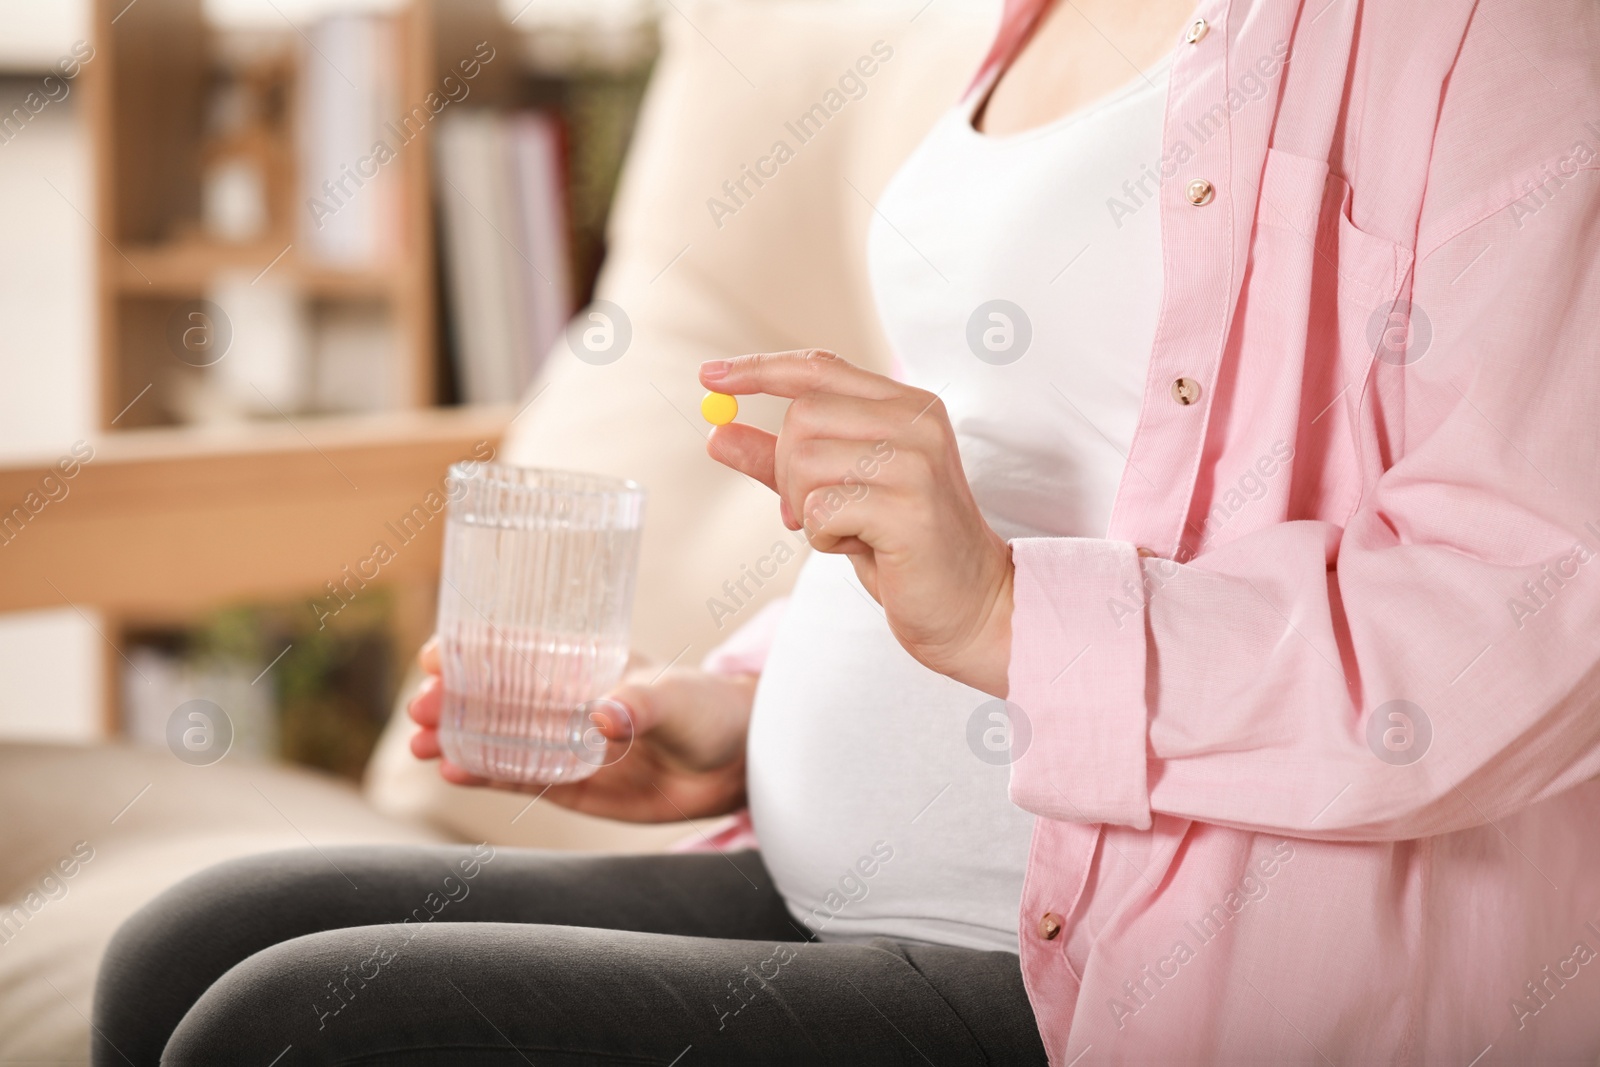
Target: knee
165, 955
287, 995
201, 914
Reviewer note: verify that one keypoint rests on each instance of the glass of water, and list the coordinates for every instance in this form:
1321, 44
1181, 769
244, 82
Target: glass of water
534, 610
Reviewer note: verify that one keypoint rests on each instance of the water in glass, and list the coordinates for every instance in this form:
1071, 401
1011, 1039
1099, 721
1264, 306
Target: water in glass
534, 607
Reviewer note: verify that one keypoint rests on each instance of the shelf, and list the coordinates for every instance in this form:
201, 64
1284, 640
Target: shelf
167, 522
189, 269
150, 95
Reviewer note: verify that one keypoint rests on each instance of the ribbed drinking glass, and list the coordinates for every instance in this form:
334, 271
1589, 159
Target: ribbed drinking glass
534, 610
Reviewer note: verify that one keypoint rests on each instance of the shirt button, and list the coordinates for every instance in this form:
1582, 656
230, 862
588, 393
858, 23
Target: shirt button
1049, 926
1146, 553
1199, 192
1197, 31
1186, 391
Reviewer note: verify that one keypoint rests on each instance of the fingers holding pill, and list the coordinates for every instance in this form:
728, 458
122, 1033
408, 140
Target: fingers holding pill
870, 468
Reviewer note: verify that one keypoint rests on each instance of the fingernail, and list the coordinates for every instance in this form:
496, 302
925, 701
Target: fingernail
712, 369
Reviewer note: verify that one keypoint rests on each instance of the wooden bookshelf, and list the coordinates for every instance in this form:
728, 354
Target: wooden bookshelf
156, 64
171, 522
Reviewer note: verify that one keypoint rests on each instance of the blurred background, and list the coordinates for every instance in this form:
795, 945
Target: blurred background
383, 209
267, 268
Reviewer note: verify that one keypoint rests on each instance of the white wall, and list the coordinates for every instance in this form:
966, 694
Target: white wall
50, 661
34, 33
46, 299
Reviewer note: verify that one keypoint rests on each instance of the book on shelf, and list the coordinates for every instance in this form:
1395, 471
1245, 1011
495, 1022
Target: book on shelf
350, 202
503, 213
539, 176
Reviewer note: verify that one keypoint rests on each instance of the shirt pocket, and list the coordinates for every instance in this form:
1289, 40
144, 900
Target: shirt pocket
1300, 196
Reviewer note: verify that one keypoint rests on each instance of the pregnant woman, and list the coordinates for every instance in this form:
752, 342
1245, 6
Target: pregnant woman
1200, 661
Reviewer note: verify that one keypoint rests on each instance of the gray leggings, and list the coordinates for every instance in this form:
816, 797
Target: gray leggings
462, 955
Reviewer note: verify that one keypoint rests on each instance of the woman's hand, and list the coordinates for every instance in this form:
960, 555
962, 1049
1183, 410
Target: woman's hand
869, 468
686, 759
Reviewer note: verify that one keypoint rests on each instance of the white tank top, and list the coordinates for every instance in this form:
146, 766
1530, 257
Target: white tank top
1019, 278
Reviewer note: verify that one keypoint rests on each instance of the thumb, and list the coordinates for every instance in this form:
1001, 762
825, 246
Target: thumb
627, 710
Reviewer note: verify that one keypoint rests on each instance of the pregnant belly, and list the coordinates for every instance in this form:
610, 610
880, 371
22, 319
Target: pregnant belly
875, 816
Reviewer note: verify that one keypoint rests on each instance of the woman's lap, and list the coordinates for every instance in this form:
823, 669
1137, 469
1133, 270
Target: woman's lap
520, 956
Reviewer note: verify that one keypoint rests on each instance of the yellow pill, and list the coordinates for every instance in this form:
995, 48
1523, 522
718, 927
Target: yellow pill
719, 409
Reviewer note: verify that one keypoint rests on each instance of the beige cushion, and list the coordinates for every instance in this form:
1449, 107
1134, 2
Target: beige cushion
147, 821
787, 270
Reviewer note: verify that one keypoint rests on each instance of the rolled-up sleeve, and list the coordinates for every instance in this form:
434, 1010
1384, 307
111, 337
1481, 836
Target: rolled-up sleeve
1078, 676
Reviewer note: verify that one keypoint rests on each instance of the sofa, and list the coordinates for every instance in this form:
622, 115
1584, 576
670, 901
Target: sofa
704, 261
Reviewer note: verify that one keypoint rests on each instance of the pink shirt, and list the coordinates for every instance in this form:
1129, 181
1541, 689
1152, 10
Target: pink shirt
1315, 728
